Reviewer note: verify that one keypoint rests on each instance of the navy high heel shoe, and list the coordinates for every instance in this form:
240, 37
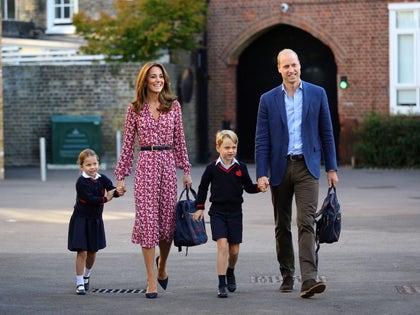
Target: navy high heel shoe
151, 295
163, 283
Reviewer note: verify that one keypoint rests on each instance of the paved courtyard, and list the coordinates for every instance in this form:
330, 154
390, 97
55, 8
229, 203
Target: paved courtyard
373, 269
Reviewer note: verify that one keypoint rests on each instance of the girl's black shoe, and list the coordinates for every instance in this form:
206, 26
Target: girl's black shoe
222, 293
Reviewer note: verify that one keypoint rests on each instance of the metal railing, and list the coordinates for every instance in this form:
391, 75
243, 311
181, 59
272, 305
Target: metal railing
13, 56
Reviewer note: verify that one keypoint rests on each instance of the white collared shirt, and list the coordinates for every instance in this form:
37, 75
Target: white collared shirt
219, 160
85, 175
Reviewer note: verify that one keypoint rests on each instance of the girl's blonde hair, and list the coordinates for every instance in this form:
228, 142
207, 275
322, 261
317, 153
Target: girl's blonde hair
85, 154
222, 134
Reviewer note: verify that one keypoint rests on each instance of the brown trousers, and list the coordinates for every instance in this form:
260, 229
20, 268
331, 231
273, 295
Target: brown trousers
298, 182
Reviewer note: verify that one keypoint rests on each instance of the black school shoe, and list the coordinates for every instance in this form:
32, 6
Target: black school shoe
86, 281
231, 282
80, 289
222, 293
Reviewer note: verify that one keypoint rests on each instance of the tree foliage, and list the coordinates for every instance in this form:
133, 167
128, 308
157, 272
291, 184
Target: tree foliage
141, 29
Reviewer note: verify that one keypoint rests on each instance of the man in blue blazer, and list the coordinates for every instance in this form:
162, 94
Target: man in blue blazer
293, 131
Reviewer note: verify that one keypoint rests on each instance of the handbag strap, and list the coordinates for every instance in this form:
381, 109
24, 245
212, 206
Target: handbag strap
331, 191
194, 194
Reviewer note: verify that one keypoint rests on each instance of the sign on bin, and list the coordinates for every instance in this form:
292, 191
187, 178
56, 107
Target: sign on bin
72, 134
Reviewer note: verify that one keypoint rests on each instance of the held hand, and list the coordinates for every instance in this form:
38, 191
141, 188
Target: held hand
187, 181
332, 178
121, 187
110, 194
263, 183
198, 215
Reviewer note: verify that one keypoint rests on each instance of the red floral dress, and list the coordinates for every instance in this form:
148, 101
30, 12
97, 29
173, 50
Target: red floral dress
155, 181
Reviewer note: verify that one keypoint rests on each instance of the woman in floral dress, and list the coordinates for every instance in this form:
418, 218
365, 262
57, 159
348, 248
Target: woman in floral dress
154, 120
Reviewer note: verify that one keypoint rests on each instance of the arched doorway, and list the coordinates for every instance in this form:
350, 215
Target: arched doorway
257, 73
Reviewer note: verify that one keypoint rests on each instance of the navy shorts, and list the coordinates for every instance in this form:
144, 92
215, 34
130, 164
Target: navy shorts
226, 224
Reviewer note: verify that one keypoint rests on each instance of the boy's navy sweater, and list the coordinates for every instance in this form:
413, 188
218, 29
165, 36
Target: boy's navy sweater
227, 186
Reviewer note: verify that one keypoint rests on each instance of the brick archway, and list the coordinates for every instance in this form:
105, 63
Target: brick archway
235, 47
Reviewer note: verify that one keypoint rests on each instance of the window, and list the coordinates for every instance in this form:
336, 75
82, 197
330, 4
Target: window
8, 9
63, 11
59, 16
404, 58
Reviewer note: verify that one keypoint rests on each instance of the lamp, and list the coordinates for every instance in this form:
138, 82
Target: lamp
343, 83
285, 7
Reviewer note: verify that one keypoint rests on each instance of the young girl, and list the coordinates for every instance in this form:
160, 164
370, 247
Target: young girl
86, 227
228, 178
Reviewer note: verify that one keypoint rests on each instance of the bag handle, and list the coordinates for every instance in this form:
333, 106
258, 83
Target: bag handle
186, 189
331, 191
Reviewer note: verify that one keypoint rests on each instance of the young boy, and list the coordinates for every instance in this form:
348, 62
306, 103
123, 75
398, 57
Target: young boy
228, 178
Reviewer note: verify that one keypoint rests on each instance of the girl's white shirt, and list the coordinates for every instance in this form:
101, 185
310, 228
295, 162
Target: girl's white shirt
85, 175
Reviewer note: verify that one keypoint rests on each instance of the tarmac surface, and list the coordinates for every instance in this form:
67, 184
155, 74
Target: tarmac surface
373, 269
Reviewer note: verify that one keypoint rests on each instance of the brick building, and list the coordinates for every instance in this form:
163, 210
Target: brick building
373, 44
1, 123
33, 18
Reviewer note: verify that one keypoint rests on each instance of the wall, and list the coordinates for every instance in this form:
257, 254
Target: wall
34, 93
93, 8
1, 119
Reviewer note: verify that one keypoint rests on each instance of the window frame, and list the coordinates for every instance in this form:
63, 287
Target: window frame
59, 26
4, 8
394, 33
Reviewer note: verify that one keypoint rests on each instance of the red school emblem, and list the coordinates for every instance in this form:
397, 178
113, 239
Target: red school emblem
238, 173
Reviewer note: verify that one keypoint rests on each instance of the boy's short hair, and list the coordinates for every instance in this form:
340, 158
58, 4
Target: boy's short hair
222, 134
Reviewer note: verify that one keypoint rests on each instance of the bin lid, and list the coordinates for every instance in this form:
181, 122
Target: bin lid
96, 119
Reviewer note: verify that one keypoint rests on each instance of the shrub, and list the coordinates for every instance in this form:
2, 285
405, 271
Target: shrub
388, 141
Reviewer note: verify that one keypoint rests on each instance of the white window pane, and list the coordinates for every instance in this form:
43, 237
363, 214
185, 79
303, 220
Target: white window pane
406, 20
58, 13
406, 98
405, 59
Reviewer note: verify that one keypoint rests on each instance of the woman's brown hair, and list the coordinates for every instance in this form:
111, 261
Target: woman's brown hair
165, 97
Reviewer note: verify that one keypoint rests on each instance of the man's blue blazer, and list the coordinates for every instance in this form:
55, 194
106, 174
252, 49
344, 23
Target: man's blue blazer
272, 136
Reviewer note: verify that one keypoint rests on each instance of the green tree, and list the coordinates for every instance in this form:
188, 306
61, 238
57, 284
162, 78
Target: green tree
140, 29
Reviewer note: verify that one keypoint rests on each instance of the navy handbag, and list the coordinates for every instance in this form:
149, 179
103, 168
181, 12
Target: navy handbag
188, 232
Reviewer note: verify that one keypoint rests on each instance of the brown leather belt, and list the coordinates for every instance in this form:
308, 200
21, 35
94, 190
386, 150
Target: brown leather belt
155, 147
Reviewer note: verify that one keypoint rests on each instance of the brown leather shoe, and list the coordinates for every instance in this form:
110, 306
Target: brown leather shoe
287, 284
310, 287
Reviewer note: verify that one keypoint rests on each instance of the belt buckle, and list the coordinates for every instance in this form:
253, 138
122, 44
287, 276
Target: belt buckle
291, 157
152, 148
